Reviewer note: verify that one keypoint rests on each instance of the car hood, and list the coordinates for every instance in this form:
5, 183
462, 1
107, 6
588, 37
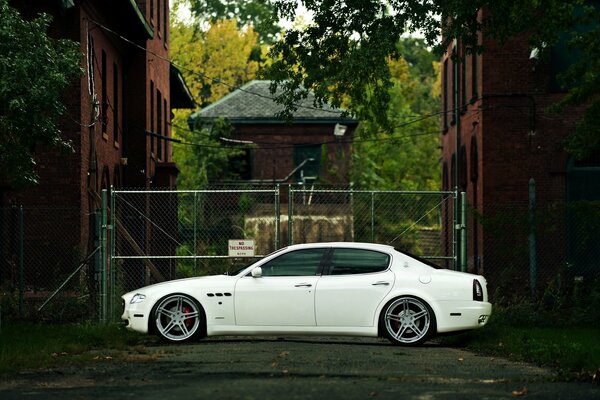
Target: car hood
200, 281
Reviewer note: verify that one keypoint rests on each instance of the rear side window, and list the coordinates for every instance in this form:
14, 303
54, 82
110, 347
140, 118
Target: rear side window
295, 263
357, 261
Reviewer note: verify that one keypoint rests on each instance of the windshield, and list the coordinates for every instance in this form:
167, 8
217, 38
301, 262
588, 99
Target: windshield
238, 269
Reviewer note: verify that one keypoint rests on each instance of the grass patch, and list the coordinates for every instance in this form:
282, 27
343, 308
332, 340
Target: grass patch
27, 345
574, 352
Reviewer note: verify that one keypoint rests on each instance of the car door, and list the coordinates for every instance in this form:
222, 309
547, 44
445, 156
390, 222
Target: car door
284, 295
353, 284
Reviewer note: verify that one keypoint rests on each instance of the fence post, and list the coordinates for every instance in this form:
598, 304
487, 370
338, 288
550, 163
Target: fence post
532, 240
463, 231
290, 215
111, 217
456, 225
195, 233
103, 263
21, 263
277, 217
372, 216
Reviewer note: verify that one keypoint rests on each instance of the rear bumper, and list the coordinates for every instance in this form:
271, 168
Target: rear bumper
463, 316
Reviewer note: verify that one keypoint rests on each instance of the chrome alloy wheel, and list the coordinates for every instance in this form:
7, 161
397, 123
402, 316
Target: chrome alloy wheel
407, 321
177, 318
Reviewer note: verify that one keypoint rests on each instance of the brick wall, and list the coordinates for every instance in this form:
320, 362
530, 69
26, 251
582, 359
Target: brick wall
276, 161
517, 139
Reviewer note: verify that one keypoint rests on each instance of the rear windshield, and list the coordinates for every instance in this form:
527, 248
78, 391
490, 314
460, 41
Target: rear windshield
423, 260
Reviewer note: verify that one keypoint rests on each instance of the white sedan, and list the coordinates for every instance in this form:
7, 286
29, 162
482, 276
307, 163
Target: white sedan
353, 289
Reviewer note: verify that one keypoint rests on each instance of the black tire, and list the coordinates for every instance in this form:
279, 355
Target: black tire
407, 321
178, 318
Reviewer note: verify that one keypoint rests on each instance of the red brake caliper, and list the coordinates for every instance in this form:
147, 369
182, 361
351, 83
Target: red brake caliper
189, 322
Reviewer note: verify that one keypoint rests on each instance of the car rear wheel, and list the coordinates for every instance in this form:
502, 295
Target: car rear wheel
407, 321
178, 318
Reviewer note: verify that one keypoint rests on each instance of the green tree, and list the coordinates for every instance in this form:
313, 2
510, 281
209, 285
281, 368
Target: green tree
261, 15
213, 62
344, 53
406, 156
34, 71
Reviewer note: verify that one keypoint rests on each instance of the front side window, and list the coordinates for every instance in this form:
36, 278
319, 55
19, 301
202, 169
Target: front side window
296, 263
357, 261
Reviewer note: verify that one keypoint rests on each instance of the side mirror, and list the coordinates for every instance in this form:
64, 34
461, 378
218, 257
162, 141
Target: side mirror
256, 272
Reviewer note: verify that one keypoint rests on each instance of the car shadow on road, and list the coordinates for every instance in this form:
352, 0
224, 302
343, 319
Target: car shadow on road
350, 341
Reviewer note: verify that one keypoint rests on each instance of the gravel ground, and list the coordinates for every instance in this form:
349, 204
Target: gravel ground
294, 368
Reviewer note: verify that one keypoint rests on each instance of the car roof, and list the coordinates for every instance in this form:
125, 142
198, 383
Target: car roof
361, 245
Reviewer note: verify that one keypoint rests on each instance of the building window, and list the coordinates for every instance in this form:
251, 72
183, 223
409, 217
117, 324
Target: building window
158, 19
462, 168
453, 172
90, 64
117, 176
474, 160
454, 87
103, 94
464, 81
165, 15
152, 116
166, 131
445, 182
116, 102
474, 77
308, 158
159, 125
152, 11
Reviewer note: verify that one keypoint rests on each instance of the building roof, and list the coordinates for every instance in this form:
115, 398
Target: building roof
180, 93
253, 103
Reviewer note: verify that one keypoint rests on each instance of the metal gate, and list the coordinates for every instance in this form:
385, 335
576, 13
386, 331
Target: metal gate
153, 236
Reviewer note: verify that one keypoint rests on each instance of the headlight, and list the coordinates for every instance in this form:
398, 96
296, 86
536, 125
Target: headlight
137, 298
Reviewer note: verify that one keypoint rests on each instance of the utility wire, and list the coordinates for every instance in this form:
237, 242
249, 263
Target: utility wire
214, 80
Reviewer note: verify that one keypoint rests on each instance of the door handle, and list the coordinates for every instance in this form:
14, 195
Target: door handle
303, 285
381, 283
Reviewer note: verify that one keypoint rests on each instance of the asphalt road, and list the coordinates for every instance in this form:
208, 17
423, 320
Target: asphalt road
295, 368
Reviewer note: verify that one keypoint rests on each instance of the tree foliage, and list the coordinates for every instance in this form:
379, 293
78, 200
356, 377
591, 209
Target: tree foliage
214, 62
34, 71
261, 15
406, 156
344, 53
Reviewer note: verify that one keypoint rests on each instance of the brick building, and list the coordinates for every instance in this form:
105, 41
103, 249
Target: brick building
498, 101
315, 146
117, 114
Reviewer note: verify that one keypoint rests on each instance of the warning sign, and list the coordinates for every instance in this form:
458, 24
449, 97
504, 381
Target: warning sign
241, 248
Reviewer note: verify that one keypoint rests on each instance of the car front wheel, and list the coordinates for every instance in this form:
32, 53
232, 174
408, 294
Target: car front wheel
407, 321
178, 318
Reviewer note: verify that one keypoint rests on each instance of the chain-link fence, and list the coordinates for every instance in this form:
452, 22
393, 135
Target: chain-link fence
44, 271
526, 251
163, 235
47, 272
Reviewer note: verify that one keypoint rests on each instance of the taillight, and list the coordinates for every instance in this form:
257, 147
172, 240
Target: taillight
477, 291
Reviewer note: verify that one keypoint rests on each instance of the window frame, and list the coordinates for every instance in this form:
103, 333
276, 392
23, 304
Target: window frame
319, 271
329, 267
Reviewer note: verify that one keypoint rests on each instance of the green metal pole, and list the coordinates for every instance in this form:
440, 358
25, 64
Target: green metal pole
277, 217
372, 217
195, 233
104, 264
111, 222
455, 232
290, 216
463, 231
